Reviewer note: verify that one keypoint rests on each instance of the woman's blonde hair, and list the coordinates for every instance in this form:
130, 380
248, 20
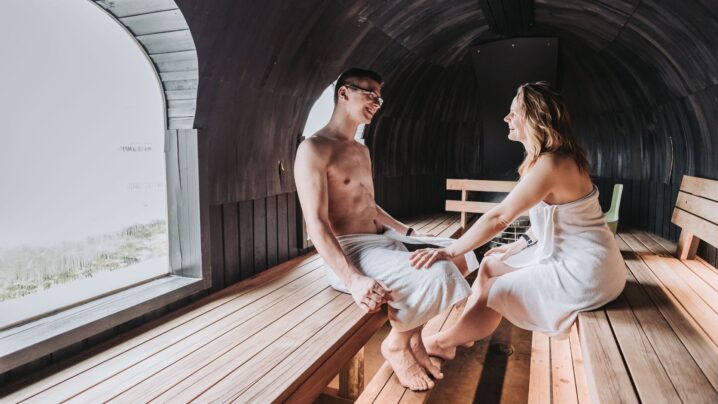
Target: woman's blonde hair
548, 126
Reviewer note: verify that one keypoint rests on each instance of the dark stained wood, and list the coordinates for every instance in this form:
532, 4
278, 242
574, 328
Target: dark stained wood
282, 228
260, 235
246, 239
217, 260
272, 231
231, 243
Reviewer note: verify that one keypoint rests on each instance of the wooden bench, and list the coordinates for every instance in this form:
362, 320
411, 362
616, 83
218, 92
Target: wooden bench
384, 386
280, 336
658, 342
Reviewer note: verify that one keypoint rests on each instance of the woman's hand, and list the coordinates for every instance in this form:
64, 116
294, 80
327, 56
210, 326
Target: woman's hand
507, 250
426, 257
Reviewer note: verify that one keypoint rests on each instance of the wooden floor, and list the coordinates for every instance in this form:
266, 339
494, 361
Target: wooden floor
251, 342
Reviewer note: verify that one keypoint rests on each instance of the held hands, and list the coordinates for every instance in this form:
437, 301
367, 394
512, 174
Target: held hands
369, 293
505, 251
426, 257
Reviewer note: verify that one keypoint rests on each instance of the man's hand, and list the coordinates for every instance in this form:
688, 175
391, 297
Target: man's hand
505, 251
426, 257
369, 293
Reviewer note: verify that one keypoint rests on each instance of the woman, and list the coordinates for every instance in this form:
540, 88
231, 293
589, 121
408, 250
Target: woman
573, 263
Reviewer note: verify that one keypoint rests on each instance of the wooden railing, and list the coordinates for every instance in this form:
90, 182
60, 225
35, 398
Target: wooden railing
465, 206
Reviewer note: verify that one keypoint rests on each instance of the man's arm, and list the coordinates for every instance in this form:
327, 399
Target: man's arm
385, 219
310, 174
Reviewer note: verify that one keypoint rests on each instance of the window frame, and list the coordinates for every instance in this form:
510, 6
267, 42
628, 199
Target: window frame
35, 339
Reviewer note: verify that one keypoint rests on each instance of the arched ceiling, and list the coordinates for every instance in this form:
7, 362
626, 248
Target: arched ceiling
160, 28
640, 75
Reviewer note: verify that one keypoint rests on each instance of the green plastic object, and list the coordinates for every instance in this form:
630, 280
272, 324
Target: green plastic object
612, 214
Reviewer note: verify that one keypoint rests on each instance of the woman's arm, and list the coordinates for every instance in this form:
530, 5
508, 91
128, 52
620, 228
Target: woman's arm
535, 185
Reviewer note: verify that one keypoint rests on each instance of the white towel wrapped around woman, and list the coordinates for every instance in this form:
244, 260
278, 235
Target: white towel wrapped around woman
576, 266
418, 294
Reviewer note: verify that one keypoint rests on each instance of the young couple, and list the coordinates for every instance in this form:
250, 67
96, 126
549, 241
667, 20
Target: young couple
573, 263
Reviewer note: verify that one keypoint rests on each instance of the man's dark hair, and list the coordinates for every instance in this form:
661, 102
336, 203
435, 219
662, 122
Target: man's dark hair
355, 73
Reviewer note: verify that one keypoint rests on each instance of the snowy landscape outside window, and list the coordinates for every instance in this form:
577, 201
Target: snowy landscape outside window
83, 210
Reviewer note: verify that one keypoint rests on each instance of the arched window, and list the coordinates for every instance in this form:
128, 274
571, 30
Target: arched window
82, 158
321, 112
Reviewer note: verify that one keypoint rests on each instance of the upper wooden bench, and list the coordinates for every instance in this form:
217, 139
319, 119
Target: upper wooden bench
280, 336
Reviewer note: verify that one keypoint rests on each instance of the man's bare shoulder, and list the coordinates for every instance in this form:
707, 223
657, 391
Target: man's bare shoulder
315, 147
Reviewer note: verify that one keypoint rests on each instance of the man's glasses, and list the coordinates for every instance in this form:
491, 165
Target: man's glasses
368, 92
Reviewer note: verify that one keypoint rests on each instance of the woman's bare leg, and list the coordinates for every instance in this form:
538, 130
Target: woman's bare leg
477, 321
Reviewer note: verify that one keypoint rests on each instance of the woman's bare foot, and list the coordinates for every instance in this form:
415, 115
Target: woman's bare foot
406, 368
419, 351
434, 349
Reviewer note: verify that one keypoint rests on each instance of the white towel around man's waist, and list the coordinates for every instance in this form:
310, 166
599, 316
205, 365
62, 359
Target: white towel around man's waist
419, 294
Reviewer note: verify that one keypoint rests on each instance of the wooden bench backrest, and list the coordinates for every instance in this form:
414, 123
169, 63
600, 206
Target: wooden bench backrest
696, 213
465, 186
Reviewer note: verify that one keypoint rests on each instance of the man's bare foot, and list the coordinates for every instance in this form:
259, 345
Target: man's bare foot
406, 368
417, 348
434, 349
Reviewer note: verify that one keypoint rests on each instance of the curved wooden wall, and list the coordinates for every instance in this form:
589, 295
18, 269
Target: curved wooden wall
640, 78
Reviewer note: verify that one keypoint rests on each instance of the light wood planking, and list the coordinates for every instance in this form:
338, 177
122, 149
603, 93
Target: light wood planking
164, 327
647, 373
563, 383
602, 357
540, 370
578, 366
696, 341
480, 185
700, 186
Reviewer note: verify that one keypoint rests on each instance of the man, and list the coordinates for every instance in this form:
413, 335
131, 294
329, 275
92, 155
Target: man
364, 247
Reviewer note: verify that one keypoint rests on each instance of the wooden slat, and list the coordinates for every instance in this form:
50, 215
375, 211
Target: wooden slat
563, 383
246, 363
193, 349
697, 206
230, 228
255, 379
260, 235
700, 186
696, 341
665, 270
307, 390
246, 239
578, 367
166, 42
699, 227
122, 8
603, 360
162, 21
272, 231
282, 228
540, 371
647, 373
480, 185
470, 207
258, 285
180, 108
176, 61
